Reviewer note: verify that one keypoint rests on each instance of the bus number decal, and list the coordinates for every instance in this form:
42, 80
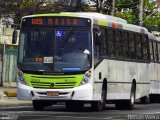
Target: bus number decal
48, 60
37, 21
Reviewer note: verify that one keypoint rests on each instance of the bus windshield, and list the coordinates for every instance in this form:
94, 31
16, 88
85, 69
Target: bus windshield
55, 50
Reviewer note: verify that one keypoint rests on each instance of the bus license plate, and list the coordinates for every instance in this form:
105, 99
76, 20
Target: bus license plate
52, 93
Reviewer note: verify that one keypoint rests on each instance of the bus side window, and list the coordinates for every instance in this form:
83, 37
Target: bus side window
125, 45
111, 43
145, 48
132, 46
96, 45
99, 41
151, 51
159, 51
139, 47
118, 44
155, 51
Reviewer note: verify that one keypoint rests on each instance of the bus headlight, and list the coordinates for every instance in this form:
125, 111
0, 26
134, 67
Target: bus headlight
86, 77
20, 77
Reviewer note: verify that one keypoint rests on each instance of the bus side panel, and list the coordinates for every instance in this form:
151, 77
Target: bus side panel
119, 75
155, 78
142, 81
120, 87
113, 71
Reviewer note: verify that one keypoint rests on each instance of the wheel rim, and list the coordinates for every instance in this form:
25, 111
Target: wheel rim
132, 97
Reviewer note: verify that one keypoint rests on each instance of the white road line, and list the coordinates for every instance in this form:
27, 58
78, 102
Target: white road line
72, 117
109, 118
92, 118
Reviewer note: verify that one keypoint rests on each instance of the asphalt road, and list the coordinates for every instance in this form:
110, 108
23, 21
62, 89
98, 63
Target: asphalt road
59, 112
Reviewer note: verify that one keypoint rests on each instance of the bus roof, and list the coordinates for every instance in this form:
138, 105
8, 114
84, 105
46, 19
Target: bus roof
93, 15
99, 19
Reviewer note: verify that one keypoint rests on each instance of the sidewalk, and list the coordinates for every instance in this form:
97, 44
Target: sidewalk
8, 98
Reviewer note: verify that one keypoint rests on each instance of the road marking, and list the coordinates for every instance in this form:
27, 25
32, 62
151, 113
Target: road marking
93, 118
110, 118
72, 117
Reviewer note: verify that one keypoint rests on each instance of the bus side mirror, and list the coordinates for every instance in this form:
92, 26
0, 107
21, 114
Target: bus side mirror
14, 36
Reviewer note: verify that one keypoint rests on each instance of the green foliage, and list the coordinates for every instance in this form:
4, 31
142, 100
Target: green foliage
128, 10
127, 15
151, 15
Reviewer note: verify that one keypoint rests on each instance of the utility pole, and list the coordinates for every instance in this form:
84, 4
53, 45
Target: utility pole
140, 15
113, 7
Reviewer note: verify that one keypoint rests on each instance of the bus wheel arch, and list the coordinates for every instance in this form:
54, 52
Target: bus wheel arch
104, 90
131, 102
100, 105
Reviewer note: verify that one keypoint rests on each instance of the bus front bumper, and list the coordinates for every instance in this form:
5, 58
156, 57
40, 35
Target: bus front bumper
83, 92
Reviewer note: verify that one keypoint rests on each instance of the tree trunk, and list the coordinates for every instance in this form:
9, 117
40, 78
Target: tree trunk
113, 7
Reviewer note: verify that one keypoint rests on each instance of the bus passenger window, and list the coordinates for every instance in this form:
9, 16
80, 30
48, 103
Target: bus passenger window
151, 50
111, 43
132, 47
155, 51
99, 44
145, 48
96, 46
159, 51
126, 45
118, 44
139, 47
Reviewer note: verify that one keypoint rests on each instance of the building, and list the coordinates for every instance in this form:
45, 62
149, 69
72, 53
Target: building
8, 66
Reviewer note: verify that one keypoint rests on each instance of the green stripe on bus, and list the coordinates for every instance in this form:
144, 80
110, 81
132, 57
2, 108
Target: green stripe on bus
102, 22
50, 14
59, 81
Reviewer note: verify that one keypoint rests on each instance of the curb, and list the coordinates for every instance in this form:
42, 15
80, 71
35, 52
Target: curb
14, 105
13, 102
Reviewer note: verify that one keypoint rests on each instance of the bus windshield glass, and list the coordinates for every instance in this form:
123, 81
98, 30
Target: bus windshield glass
55, 50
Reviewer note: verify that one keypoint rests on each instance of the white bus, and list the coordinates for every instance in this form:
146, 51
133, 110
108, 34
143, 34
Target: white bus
80, 58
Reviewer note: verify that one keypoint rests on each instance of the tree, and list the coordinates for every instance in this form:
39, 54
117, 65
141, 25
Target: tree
16, 9
128, 10
151, 16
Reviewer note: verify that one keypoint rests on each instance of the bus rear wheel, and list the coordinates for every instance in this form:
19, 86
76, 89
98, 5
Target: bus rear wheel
144, 100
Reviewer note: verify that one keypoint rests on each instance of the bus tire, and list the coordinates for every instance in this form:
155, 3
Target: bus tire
38, 105
130, 103
144, 100
154, 98
99, 105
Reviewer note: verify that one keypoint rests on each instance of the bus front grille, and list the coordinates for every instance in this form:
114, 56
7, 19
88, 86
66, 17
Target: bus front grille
56, 85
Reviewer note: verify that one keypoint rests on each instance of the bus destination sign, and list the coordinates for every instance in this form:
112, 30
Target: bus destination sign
56, 21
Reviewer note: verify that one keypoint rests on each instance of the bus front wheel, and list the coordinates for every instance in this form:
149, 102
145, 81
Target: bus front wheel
100, 105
